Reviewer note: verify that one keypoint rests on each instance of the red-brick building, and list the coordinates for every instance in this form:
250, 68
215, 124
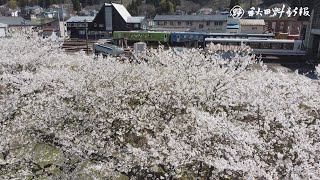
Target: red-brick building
283, 25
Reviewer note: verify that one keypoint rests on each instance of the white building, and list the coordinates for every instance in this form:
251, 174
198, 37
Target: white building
3, 30
252, 26
199, 23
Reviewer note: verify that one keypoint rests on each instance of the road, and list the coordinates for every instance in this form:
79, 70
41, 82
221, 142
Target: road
290, 64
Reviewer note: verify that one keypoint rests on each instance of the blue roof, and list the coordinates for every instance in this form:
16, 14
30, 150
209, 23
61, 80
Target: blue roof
17, 21
233, 26
80, 19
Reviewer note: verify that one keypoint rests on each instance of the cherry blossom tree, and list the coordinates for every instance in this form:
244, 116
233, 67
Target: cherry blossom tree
169, 114
318, 70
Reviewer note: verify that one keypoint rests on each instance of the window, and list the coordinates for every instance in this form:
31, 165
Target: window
208, 23
165, 23
316, 18
200, 26
288, 46
189, 23
171, 23
254, 28
95, 24
179, 23
136, 25
158, 23
101, 25
218, 23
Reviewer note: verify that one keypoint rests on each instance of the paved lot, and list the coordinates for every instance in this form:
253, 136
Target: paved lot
290, 64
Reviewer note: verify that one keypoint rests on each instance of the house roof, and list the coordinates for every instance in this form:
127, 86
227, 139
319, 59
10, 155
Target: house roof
233, 26
32, 7
3, 25
80, 19
125, 14
122, 11
190, 18
252, 22
17, 21
171, 29
232, 21
135, 19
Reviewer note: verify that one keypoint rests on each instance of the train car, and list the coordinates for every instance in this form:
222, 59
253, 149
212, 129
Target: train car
264, 46
145, 36
180, 37
238, 35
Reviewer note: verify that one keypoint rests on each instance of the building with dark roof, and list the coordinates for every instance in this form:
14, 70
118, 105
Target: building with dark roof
76, 25
51, 25
115, 17
199, 23
17, 21
111, 17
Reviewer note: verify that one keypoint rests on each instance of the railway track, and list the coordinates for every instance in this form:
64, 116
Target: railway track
75, 45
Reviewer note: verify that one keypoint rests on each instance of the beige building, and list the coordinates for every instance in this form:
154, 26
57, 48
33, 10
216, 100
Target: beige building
252, 26
197, 23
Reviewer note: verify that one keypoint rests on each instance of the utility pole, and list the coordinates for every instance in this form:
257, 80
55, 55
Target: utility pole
24, 26
64, 25
86, 23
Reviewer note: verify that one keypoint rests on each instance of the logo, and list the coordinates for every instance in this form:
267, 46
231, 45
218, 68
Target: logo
237, 12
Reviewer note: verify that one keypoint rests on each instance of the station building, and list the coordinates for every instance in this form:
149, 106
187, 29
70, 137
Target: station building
111, 17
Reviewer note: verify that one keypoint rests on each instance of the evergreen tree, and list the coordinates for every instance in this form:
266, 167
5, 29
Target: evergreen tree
76, 5
2, 2
12, 4
233, 3
133, 7
84, 3
166, 7
23, 3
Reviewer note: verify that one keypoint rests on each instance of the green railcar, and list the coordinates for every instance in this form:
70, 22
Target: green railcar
144, 36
